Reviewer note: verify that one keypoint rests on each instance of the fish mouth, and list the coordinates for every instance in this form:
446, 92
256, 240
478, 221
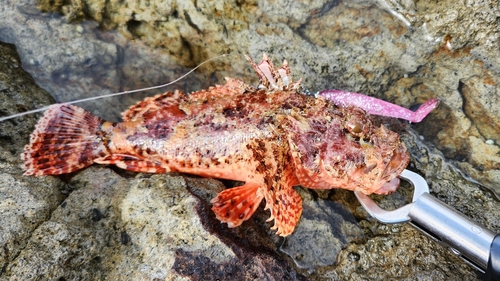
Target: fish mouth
388, 187
388, 181
385, 159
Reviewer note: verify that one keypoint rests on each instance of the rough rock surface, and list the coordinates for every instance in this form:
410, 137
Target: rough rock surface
25, 203
81, 61
104, 223
402, 51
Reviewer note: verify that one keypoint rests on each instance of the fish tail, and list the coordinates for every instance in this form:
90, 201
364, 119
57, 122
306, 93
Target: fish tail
66, 139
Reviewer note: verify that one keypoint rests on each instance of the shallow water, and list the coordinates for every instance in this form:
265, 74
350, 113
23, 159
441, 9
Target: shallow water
81, 60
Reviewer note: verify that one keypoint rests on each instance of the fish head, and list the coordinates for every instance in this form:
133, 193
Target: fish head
348, 151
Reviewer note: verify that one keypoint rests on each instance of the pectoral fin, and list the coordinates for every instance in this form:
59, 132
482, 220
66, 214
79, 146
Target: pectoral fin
235, 205
286, 207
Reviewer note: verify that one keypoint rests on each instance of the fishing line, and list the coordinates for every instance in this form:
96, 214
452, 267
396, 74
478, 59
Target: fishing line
116, 94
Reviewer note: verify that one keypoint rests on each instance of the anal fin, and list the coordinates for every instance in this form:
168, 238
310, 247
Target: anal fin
235, 205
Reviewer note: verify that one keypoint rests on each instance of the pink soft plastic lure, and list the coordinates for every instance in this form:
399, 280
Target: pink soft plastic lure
379, 107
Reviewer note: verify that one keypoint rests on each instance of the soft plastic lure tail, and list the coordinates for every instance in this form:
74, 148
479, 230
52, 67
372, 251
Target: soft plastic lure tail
379, 107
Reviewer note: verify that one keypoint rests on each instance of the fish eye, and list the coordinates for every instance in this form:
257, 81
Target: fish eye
358, 125
355, 128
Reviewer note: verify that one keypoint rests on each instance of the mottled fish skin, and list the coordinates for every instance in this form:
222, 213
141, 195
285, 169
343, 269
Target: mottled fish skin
270, 137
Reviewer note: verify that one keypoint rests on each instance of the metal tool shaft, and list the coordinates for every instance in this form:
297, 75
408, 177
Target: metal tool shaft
466, 238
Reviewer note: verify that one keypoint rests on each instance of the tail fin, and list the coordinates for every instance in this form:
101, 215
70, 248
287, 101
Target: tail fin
67, 138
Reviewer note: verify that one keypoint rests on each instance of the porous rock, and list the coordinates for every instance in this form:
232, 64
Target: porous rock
402, 51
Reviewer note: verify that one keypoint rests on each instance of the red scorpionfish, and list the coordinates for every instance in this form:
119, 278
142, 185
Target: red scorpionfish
270, 137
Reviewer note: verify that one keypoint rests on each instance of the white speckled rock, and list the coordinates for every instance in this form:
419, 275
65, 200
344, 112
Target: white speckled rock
159, 216
25, 203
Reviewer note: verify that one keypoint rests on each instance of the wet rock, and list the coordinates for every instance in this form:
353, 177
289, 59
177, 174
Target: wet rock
25, 202
452, 186
402, 51
61, 69
159, 216
72, 244
148, 228
384, 256
479, 106
74, 61
325, 228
